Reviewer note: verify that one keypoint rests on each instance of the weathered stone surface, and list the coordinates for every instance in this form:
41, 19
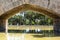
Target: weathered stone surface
6, 5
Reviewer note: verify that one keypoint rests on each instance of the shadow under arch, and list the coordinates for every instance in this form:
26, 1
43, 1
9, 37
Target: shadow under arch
22, 7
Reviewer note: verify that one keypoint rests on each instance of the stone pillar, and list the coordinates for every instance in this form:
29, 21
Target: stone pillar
56, 23
6, 26
3, 25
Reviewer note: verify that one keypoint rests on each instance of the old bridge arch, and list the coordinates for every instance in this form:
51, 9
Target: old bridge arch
9, 13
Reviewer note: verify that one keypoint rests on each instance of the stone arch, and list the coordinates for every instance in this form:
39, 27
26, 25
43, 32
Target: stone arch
37, 8
22, 7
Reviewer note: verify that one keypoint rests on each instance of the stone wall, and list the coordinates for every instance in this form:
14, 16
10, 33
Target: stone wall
6, 5
56, 23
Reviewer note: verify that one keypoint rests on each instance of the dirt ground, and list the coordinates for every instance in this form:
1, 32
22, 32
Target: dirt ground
25, 36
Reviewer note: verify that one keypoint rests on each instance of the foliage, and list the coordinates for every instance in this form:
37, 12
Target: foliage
30, 18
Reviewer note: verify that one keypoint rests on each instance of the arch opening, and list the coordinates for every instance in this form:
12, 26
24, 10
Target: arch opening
29, 22
37, 8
